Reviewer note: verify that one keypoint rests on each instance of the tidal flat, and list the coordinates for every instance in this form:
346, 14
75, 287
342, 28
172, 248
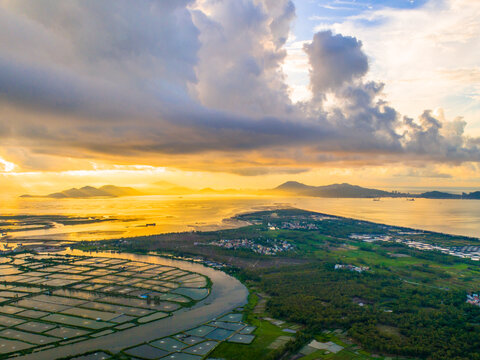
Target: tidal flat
70, 220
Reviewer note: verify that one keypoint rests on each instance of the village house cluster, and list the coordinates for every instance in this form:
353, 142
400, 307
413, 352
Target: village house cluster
271, 248
470, 252
473, 299
370, 237
352, 267
297, 225
300, 223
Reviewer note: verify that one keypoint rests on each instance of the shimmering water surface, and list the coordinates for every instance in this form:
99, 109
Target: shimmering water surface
173, 213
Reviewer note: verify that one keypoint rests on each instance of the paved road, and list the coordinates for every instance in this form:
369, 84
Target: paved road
227, 294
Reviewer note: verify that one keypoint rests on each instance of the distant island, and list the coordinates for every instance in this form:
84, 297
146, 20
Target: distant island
289, 188
353, 191
90, 192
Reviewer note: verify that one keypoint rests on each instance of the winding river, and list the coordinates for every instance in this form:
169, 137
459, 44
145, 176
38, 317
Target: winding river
227, 293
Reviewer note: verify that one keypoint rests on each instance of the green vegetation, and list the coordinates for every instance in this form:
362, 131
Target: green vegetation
409, 303
266, 333
381, 312
350, 350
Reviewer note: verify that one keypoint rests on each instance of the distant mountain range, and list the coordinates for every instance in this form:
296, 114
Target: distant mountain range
160, 188
333, 191
167, 188
475, 195
91, 192
353, 191
290, 188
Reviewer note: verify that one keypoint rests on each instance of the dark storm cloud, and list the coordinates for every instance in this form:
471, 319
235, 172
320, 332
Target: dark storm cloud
335, 60
175, 77
58, 90
431, 138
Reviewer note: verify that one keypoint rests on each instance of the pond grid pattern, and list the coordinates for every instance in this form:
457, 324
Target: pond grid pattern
52, 300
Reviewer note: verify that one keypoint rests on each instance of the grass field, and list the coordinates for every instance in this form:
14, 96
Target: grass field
350, 351
266, 333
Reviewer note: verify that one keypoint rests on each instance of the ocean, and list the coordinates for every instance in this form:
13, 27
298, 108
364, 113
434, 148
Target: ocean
129, 216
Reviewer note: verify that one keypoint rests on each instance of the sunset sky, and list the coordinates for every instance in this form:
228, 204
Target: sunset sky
239, 93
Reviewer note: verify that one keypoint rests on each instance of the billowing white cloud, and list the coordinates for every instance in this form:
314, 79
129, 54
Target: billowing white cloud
240, 59
167, 78
427, 56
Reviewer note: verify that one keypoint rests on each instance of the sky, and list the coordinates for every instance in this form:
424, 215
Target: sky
242, 94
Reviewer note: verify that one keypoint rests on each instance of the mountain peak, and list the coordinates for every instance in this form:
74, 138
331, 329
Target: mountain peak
91, 192
343, 190
291, 185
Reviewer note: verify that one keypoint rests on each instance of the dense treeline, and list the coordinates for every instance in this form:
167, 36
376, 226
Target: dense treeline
383, 313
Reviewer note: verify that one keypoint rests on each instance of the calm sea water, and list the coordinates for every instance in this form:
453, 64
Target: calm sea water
173, 213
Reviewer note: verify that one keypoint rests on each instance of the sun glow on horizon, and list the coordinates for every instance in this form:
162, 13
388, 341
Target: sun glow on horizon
244, 95
7, 166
